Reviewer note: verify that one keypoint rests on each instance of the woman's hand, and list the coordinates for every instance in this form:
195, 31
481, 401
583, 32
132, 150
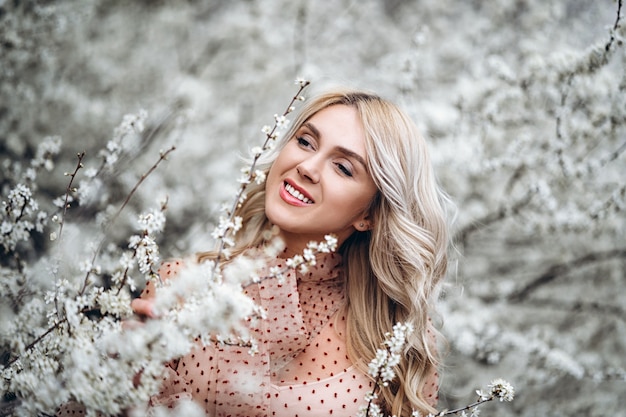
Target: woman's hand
143, 306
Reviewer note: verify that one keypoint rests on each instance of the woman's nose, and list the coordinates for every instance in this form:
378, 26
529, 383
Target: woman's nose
309, 171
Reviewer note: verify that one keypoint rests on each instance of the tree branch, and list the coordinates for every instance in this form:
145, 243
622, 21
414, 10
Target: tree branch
615, 26
39, 339
69, 190
561, 269
162, 157
495, 216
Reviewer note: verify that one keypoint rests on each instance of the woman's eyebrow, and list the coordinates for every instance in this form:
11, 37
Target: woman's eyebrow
312, 128
345, 151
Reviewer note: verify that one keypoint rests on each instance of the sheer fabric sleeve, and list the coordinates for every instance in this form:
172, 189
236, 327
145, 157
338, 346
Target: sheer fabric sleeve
167, 270
225, 379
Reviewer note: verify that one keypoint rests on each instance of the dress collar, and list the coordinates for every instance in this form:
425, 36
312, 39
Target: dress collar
327, 266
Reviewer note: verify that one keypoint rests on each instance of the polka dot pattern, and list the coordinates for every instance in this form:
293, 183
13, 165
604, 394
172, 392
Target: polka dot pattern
302, 368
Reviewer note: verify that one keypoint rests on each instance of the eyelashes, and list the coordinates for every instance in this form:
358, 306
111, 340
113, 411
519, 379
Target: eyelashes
303, 142
342, 168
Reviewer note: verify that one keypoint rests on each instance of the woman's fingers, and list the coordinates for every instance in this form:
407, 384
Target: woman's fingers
143, 307
131, 324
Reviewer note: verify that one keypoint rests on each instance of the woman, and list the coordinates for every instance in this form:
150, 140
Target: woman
355, 166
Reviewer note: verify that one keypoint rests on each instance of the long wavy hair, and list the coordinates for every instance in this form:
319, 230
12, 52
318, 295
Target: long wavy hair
392, 270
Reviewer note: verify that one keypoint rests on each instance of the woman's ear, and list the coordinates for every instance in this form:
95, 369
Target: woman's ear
363, 224
365, 221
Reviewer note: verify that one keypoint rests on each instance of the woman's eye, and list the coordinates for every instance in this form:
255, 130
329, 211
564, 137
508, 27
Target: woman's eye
344, 170
303, 142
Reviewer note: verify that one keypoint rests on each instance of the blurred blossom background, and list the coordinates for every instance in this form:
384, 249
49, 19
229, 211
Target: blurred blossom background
523, 103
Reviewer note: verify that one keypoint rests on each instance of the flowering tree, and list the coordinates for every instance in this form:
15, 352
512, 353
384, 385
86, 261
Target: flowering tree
532, 141
523, 103
85, 355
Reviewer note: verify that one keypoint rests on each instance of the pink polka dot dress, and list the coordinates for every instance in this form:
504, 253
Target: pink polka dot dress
302, 368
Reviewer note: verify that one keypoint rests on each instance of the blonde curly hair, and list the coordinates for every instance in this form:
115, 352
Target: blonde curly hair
393, 271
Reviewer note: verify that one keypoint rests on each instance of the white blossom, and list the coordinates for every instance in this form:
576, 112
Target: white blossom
47, 149
146, 252
302, 82
381, 367
152, 222
281, 121
259, 176
501, 389
131, 127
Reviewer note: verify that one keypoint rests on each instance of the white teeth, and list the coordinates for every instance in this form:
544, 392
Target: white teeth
297, 194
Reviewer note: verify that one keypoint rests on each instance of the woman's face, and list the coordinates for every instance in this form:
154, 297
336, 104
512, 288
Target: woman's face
319, 184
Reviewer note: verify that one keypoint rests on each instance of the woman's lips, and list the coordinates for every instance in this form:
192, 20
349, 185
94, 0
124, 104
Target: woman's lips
294, 195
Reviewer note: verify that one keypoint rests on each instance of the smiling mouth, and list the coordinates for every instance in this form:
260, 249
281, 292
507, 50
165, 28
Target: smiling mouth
297, 194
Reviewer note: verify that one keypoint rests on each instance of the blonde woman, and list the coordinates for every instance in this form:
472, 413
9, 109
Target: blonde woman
355, 166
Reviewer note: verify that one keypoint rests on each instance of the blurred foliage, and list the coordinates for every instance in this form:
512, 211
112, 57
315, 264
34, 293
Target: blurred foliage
523, 102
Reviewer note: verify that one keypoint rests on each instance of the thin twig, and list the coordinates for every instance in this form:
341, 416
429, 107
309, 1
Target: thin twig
559, 123
69, 190
39, 339
270, 136
162, 157
134, 255
614, 155
467, 407
374, 395
615, 26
